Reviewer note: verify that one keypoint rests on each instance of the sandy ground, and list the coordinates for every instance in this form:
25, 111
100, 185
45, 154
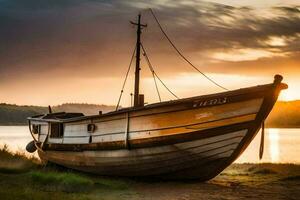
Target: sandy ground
215, 190
241, 181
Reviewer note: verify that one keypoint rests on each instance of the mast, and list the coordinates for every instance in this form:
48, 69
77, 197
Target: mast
137, 61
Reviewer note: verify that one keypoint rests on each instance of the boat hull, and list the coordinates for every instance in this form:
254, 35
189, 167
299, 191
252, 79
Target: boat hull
169, 161
194, 138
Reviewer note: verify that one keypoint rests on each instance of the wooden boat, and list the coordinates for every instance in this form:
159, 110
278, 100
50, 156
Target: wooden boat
191, 138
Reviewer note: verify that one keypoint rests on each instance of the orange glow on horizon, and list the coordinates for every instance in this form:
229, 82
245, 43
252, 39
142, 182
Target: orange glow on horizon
288, 95
106, 90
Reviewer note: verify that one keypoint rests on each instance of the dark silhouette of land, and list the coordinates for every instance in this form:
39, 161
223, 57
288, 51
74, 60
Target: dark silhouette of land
285, 114
11, 114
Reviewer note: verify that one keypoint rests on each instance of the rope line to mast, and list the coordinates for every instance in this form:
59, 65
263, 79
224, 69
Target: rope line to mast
180, 54
152, 71
123, 86
155, 75
154, 78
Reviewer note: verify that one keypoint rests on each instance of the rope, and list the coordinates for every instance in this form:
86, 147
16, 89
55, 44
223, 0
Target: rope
154, 73
181, 55
122, 90
262, 140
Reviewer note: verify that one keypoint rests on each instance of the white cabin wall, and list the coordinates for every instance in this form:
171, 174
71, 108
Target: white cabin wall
106, 131
110, 131
76, 133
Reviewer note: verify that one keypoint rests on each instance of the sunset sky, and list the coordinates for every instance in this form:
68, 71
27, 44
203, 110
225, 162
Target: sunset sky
58, 51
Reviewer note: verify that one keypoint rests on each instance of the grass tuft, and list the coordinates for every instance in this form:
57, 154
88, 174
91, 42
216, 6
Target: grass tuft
261, 170
16, 162
58, 181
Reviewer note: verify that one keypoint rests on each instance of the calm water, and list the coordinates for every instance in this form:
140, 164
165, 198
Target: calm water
281, 145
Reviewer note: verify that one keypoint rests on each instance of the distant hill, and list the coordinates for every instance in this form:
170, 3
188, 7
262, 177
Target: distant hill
283, 115
11, 114
86, 109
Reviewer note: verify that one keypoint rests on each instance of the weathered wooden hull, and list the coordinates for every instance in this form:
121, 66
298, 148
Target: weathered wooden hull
166, 160
194, 138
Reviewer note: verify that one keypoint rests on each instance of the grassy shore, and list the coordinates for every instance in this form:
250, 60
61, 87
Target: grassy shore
23, 177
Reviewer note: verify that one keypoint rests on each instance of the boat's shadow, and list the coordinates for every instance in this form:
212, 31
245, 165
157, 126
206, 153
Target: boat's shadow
136, 179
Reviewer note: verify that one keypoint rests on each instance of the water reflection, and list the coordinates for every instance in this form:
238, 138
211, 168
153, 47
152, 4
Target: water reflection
273, 139
16, 137
282, 145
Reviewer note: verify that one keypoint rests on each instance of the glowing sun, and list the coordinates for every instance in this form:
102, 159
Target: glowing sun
287, 95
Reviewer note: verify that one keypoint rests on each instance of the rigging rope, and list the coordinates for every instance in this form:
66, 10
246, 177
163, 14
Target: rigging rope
122, 90
262, 141
180, 54
152, 71
155, 75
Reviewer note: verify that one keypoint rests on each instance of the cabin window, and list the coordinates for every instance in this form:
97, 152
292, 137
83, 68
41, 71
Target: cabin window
36, 129
91, 128
57, 130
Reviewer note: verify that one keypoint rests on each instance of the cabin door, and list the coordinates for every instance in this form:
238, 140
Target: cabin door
56, 133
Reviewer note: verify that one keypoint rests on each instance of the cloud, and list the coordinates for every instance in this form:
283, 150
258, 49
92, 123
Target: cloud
93, 38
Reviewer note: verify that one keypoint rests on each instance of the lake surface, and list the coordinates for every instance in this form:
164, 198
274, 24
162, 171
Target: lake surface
281, 145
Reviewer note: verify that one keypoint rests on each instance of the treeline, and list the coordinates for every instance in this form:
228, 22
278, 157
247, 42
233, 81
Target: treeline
283, 115
11, 114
